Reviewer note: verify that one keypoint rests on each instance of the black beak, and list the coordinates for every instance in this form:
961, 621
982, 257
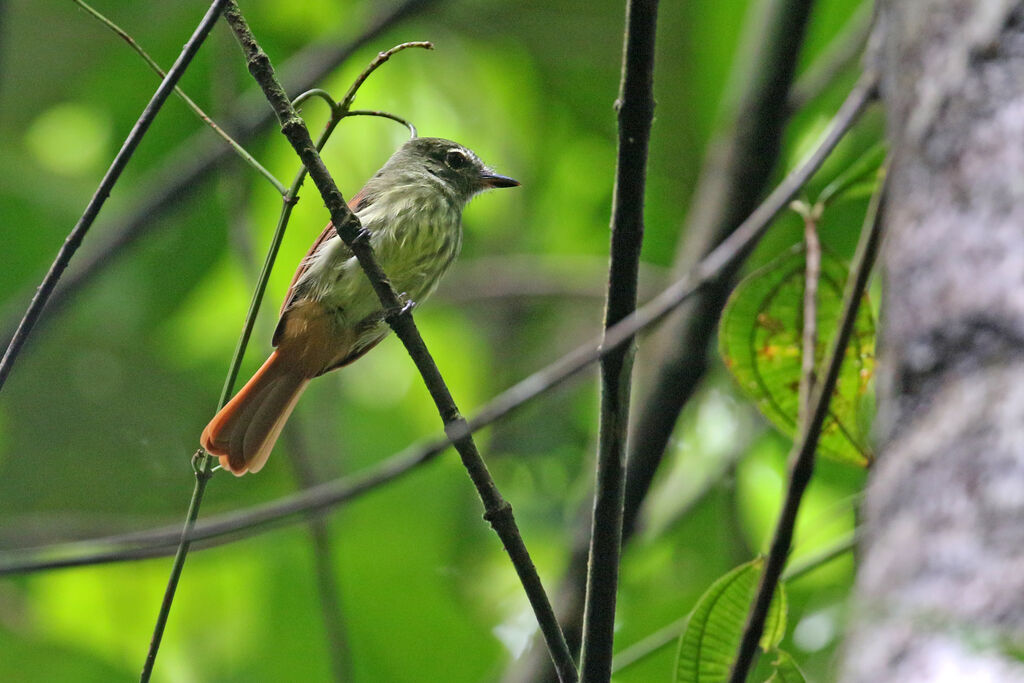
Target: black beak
491, 179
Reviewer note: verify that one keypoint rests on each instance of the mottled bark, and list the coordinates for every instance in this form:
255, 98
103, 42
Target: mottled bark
940, 590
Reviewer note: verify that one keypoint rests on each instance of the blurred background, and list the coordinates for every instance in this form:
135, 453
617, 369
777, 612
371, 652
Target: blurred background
105, 406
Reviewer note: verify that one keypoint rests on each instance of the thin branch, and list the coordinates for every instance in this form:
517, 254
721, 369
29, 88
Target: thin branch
635, 106
239, 150
332, 493
823, 557
378, 61
202, 463
315, 92
812, 273
497, 511
736, 170
386, 115
326, 571
840, 54
670, 633
74, 239
187, 169
802, 455
305, 474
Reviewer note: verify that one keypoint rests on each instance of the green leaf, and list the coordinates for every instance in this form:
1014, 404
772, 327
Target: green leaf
851, 182
708, 646
775, 624
785, 669
760, 342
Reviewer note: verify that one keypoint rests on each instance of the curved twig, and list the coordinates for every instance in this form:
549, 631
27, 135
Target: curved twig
802, 455
332, 493
239, 150
385, 115
74, 239
316, 92
399, 317
350, 96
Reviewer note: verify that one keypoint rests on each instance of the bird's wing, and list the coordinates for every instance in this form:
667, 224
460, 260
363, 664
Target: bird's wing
355, 204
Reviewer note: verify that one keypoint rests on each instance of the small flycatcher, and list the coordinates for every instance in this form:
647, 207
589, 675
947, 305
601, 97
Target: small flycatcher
412, 209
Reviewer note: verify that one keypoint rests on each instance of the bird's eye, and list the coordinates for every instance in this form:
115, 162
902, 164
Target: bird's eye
456, 159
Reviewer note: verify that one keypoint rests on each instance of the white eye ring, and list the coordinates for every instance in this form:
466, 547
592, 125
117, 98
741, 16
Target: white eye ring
456, 159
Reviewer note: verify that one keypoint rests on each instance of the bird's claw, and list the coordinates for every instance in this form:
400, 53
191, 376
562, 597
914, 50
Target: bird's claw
405, 305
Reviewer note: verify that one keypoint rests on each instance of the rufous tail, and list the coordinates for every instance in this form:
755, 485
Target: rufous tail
243, 433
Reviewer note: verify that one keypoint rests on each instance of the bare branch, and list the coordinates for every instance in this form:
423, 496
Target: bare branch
812, 272
333, 493
635, 106
805, 447
841, 53
497, 511
239, 150
74, 239
350, 96
189, 167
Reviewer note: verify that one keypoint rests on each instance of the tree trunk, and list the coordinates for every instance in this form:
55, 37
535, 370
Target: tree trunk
940, 589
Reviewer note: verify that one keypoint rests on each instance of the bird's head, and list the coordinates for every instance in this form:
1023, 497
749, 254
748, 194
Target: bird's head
458, 168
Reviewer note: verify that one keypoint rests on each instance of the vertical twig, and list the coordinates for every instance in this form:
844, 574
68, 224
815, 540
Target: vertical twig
190, 165
635, 106
202, 463
323, 559
196, 109
802, 455
497, 510
77, 234
841, 53
735, 248
736, 169
812, 273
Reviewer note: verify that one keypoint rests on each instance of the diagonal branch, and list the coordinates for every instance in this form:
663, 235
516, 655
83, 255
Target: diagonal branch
333, 493
737, 167
201, 462
77, 234
635, 113
497, 511
841, 54
802, 456
189, 167
196, 109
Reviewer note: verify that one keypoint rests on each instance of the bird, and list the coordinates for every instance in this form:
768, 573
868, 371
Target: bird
412, 211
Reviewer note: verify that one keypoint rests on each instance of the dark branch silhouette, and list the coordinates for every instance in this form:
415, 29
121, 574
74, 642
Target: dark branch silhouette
801, 457
77, 234
736, 170
332, 493
635, 106
399, 317
194, 162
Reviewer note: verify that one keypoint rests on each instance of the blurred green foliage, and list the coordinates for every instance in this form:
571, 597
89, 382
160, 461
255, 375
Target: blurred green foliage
105, 406
760, 341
